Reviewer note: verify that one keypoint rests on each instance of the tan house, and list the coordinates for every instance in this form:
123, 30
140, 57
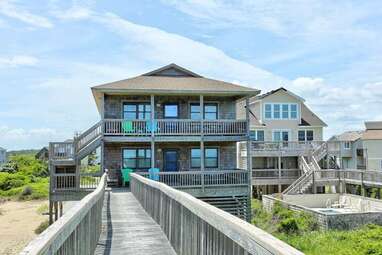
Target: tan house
282, 129
361, 149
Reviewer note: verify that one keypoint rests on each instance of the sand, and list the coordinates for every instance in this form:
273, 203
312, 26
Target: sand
18, 221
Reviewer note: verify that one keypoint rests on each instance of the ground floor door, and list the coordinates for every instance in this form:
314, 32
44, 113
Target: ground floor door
170, 163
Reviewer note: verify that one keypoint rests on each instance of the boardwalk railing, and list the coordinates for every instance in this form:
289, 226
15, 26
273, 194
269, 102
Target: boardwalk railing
198, 179
195, 227
166, 127
76, 232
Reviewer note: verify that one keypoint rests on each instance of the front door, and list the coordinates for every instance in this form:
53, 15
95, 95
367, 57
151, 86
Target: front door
170, 160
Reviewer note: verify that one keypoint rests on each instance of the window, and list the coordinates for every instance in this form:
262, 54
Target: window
195, 111
139, 111
257, 135
305, 135
211, 158
285, 109
171, 111
293, 111
347, 145
280, 111
280, 136
137, 159
210, 111
268, 111
276, 111
301, 136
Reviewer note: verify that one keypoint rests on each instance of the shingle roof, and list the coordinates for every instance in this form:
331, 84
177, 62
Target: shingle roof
277, 90
372, 135
348, 136
308, 118
190, 83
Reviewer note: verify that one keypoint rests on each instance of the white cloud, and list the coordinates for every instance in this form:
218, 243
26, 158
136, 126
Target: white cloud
19, 60
75, 12
157, 47
15, 138
12, 10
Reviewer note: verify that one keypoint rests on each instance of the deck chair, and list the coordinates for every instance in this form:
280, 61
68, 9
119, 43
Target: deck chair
127, 126
154, 174
126, 176
151, 126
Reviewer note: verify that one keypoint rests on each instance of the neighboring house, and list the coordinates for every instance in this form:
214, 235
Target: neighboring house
3, 156
361, 149
43, 154
171, 119
282, 129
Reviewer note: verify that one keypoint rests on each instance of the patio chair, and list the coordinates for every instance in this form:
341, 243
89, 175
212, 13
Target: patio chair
127, 126
126, 176
154, 174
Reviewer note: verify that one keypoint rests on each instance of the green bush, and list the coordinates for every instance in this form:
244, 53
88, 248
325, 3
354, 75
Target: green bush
288, 226
9, 181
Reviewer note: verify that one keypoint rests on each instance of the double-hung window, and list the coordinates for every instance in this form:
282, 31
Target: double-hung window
257, 135
305, 135
282, 111
347, 145
210, 111
211, 158
138, 159
136, 111
171, 111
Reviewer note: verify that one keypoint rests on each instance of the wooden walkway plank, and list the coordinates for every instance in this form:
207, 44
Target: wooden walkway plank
128, 229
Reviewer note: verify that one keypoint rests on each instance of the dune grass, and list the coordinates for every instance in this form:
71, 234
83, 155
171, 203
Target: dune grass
300, 230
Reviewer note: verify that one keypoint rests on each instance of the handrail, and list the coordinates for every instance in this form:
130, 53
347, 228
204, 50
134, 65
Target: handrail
76, 232
301, 179
89, 136
191, 224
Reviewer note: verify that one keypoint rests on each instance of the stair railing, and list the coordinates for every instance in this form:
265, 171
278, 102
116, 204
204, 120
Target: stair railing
88, 136
297, 183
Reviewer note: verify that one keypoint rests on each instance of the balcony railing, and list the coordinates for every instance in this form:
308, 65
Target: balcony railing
274, 173
170, 127
61, 151
199, 179
65, 182
285, 146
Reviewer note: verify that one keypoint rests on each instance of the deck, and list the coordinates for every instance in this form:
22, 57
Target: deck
128, 229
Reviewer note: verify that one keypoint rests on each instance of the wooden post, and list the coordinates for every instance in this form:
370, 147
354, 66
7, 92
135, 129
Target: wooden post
55, 211
362, 186
152, 120
201, 110
50, 212
61, 208
249, 159
279, 179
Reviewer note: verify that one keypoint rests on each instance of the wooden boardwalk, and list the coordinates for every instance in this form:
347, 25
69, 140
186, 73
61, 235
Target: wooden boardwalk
128, 229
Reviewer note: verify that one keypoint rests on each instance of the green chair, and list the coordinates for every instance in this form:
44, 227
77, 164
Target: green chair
126, 176
127, 126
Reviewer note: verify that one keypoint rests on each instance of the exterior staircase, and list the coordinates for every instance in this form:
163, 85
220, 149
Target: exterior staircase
309, 165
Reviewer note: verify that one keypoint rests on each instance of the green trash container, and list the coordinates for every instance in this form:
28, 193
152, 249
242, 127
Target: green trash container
126, 176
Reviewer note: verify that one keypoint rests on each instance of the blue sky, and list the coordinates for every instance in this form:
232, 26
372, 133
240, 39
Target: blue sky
52, 52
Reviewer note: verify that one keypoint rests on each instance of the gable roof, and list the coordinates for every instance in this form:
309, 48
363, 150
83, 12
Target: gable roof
176, 71
350, 136
309, 118
171, 80
259, 97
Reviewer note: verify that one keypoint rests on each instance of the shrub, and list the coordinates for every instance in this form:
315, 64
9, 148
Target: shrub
288, 226
27, 191
9, 181
44, 225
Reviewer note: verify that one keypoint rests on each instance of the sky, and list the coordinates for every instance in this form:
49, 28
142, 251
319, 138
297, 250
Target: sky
52, 52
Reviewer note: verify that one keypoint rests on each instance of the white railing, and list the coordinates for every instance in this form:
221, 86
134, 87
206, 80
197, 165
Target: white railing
164, 127
285, 146
276, 173
61, 151
195, 227
199, 179
76, 232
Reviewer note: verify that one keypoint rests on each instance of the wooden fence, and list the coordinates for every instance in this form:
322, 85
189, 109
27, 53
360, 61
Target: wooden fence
195, 227
76, 232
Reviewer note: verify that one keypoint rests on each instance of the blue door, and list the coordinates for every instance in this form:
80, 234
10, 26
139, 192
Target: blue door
170, 160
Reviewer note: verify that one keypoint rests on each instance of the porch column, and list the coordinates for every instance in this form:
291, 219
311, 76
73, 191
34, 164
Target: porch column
152, 119
279, 167
249, 160
201, 106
